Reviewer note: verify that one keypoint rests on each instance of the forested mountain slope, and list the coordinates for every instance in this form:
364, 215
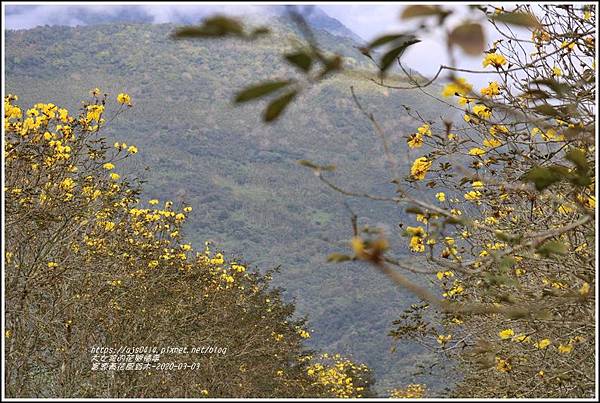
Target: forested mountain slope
241, 176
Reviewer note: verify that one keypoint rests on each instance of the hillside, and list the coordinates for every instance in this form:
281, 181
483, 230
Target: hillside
241, 177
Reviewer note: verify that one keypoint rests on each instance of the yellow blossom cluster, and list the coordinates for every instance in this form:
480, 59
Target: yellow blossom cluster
411, 391
415, 140
420, 167
343, 377
494, 59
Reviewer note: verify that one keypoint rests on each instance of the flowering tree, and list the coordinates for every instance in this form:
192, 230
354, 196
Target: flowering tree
89, 264
503, 199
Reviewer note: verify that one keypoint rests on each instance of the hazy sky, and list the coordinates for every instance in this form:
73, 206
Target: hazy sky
367, 20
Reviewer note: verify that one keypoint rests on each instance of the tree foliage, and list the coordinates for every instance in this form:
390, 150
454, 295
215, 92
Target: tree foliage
506, 232
89, 263
242, 177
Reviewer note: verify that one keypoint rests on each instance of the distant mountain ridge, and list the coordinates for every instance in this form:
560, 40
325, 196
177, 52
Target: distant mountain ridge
86, 15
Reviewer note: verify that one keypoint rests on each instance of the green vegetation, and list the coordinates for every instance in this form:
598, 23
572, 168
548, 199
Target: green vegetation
106, 299
510, 236
249, 195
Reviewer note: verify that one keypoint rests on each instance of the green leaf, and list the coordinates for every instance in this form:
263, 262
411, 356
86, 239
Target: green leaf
552, 247
331, 64
506, 262
302, 60
470, 37
276, 107
547, 110
557, 87
257, 91
382, 40
217, 26
388, 58
536, 94
577, 157
508, 237
517, 18
543, 177
338, 257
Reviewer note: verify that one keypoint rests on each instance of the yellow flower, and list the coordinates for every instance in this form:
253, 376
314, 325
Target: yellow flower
458, 86
556, 71
424, 130
94, 112
416, 244
568, 45
108, 166
585, 289
123, 99
419, 168
565, 349
506, 334
132, 150
492, 143
441, 196
304, 334
482, 111
95, 92
490, 220
491, 90
494, 59
239, 268
421, 218
153, 202
495, 129
551, 134
187, 209
521, 338
358, 246
503, 365
416, 231
114, 176
464, 101
442, 340
52, 265
472, 195
476, 151
415, 140
542, 344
